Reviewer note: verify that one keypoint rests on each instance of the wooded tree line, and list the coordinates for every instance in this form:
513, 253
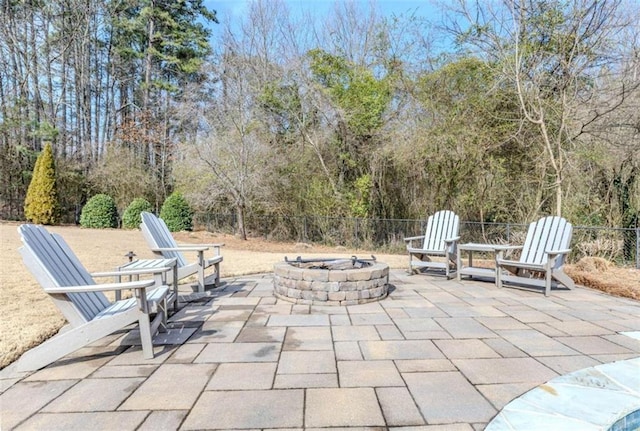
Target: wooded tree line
502, 111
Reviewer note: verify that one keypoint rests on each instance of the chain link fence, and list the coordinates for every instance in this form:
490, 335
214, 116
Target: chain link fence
619, 245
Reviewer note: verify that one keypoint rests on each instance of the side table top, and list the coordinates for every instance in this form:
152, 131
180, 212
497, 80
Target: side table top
150, 264
474, 246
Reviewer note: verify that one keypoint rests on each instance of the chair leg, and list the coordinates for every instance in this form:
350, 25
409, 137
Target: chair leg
201, 279
146, 336
201, 272
547, 283
563, 278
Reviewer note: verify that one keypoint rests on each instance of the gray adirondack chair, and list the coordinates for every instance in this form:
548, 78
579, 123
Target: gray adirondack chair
90, 315
541, 259
162, 243
440, 240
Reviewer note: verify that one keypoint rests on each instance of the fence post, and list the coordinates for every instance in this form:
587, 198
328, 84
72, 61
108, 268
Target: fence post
304, 229
508, 233
638, 248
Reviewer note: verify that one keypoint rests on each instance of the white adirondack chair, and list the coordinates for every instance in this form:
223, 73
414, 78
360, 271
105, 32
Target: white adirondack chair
162, 243
440, 240
541, 259
90, 315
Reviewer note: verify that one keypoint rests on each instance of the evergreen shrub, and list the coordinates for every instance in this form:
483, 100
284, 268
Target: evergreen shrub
176, 213
131, 217
99, 212
41, 204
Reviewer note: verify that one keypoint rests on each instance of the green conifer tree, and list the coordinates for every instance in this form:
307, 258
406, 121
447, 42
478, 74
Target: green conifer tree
41, 204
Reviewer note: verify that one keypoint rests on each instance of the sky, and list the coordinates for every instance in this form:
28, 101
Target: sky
237, 8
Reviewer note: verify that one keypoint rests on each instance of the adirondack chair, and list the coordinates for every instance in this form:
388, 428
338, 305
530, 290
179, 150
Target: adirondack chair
162, 243
90, 315
541, 259
440, 240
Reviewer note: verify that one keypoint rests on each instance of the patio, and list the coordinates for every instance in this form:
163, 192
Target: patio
435, 354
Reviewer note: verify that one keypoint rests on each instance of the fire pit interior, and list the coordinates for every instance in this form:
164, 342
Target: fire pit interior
330, 281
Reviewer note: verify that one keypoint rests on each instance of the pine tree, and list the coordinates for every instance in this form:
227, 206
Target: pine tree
41, 204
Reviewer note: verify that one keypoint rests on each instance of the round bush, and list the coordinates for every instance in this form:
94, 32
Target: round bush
99, 212
131, 216
176, 213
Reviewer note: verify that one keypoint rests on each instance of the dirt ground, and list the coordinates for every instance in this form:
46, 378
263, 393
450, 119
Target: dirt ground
29, 317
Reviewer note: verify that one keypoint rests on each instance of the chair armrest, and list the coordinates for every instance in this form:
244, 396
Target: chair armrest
500, 250
553, 252
499, 247
140, 284
412, 238
454, 239
131, 272
216, 245
182, 248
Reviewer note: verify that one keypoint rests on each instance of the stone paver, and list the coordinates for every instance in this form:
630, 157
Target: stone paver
163, 419
98, 421
76, 369
26, 398
342, 407
536, 343
398, 407
371, 319
256, 334
94, 394
247, 409
459, 349
299, 320
434, 355
464, 327
238, 376
409, 349
447, 397
593, 345
314, 338
354, 333
215, 331
368, 374
158, 392
240, 352
504, 370
297, 381
307, 362
501, 394
347, 351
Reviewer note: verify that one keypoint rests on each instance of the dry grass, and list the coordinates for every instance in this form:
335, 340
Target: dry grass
30, 317
600, 274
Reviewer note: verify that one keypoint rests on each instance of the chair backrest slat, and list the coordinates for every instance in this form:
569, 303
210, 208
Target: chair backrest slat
440, 226
59, 267
157, 233
548, 233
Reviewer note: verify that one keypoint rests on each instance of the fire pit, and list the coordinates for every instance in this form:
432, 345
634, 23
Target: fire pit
331, 281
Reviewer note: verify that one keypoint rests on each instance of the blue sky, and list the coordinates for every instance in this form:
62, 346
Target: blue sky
237, 8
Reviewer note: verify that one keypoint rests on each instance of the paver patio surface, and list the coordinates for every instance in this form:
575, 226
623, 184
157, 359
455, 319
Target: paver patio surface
435, 354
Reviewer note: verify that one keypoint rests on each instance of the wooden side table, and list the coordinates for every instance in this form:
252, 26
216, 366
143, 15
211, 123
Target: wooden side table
159, 268
471, 270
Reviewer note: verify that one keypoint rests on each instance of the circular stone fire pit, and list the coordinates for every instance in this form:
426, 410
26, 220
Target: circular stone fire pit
331, 281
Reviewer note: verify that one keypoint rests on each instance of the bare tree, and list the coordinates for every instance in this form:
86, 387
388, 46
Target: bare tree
550, 52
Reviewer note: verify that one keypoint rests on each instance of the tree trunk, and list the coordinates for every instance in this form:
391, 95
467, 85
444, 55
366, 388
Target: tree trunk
241, 230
